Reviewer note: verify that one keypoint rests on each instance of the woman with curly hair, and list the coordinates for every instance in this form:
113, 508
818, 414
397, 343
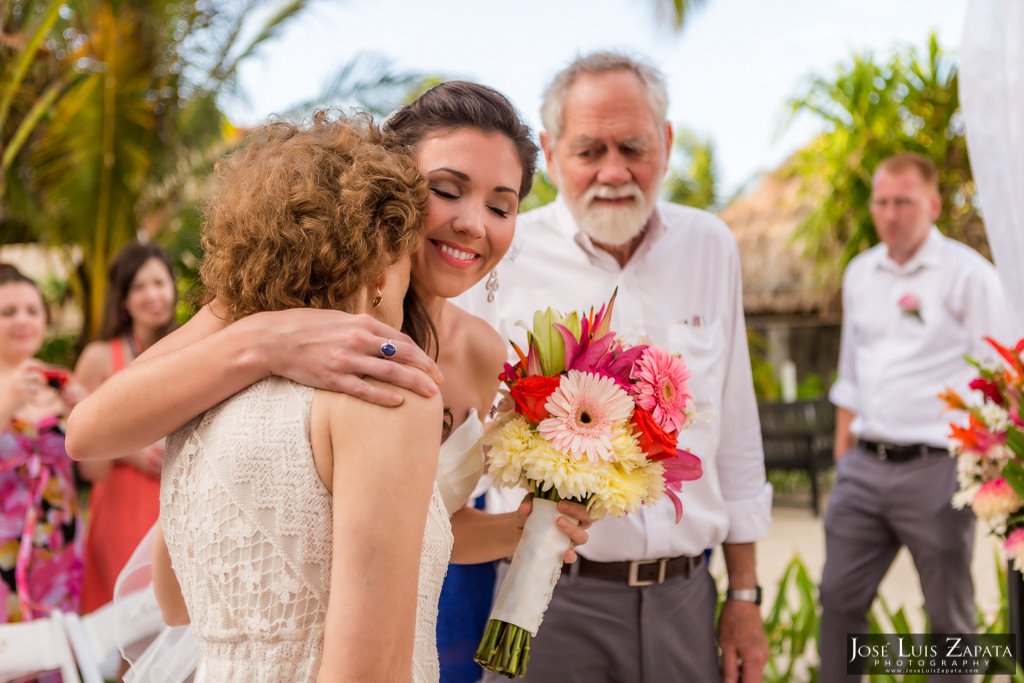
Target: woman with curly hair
270, 499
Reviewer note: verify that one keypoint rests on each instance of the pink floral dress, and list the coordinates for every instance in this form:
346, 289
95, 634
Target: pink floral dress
41, 529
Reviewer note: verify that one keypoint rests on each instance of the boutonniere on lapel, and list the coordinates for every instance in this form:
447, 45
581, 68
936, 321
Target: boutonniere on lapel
911, 306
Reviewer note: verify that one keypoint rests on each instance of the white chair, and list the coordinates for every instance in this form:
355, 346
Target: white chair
96, 637
35, 646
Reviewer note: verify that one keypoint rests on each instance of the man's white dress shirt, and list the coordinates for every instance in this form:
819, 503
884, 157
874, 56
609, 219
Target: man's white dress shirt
682, 289
893, 364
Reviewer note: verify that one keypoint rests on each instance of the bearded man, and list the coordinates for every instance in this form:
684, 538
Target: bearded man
639, 605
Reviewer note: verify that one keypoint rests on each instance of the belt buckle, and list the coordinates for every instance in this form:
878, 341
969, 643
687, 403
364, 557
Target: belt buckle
634, 568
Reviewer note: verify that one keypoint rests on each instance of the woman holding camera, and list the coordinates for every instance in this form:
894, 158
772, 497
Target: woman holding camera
41, 531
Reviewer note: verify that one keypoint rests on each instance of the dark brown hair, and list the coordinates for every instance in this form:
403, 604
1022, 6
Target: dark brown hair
116, 319
309, 215
11, 275
460, 104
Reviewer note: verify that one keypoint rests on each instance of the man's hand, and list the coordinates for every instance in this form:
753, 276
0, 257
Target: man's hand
743, 642
336, 351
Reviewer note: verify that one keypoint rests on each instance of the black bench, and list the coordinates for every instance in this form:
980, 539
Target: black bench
799, 436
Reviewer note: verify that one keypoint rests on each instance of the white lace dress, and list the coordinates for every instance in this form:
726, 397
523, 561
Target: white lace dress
248, 525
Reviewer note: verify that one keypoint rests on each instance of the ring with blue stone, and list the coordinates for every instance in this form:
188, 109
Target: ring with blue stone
388, 349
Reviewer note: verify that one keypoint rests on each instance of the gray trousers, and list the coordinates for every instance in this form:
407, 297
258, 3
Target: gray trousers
598, 631
875, 508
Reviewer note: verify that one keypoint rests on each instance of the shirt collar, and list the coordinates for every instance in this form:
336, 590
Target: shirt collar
928, 255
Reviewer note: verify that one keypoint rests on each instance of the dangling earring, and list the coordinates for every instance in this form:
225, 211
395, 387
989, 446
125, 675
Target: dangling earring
491, 286
377, 299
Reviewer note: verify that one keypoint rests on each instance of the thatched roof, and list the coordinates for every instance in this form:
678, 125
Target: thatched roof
777, 278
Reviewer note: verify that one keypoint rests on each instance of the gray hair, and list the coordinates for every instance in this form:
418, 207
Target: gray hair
553, 107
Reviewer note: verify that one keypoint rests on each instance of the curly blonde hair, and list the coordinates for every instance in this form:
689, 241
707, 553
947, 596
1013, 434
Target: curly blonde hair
307, 215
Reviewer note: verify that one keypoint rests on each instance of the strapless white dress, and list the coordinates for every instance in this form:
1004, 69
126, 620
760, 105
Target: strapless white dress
460, 463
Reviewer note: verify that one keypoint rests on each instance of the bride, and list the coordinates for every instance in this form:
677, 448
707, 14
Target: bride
270, 500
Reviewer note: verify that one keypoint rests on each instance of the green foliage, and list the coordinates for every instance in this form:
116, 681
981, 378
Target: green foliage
543, 192
59, 350
693, 178
873, 109
676, 12
110, 117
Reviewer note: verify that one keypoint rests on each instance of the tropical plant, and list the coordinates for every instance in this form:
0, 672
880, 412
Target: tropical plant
675, 12
872, 109
110, 113
693, 178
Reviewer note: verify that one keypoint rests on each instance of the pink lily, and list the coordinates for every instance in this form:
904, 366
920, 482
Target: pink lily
684, 467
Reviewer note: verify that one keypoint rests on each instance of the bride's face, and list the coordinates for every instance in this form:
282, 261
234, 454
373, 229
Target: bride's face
474, 180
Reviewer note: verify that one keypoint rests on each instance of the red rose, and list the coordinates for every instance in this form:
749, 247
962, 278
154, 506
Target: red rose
654, 441
530, 395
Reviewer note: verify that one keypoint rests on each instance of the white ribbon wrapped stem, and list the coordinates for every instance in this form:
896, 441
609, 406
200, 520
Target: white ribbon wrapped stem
536, 564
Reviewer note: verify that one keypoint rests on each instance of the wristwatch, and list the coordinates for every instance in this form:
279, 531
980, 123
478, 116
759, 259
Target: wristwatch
744, 594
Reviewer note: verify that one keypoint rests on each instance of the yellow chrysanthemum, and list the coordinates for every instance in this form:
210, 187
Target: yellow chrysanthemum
571, 477
509, 448
627, 446
622, 490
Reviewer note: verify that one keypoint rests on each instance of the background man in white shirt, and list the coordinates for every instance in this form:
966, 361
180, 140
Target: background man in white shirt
677, 271
913, 306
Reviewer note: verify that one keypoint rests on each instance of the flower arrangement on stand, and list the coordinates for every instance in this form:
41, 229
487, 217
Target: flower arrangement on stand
589, 418
990, 450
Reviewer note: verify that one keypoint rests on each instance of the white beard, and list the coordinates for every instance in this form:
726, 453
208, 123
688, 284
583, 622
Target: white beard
612, 225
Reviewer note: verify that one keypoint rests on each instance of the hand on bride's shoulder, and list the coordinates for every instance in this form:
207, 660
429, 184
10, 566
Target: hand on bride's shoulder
338, 351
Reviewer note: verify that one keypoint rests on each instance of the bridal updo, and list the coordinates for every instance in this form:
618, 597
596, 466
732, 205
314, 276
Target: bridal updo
308, 215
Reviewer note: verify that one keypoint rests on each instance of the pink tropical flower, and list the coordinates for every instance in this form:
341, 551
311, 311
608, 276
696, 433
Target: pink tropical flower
1014, 548
583, 410
995, 500
660, 388
911, 305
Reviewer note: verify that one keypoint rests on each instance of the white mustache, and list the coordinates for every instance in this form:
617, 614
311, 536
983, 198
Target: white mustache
630, 191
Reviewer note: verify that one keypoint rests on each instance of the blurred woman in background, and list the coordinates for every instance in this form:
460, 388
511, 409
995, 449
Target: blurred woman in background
139, 310
41, 530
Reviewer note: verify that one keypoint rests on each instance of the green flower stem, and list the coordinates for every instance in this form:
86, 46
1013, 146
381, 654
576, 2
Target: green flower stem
504, 649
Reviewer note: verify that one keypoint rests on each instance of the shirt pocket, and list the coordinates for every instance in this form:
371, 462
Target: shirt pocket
703, 350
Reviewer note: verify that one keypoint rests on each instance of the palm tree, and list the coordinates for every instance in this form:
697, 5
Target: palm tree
675, 12
114, 113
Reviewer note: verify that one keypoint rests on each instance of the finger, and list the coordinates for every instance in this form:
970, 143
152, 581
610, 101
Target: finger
576, 535
354, 386
576, 511
730, 666
408, 352
390, 372
570, 556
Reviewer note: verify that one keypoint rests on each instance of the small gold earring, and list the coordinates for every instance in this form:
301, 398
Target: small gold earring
377, 299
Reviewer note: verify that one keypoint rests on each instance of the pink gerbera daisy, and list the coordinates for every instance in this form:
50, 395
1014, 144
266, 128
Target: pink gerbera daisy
583, 410
660, 388
1014, 548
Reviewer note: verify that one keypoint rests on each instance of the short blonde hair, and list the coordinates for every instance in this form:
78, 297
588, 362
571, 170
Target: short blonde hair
308, 215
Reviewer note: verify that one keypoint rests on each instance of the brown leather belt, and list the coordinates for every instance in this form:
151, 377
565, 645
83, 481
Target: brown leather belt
898, 452
640, 572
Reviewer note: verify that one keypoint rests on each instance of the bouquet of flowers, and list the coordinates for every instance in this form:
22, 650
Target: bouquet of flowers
990, 450
590, 419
